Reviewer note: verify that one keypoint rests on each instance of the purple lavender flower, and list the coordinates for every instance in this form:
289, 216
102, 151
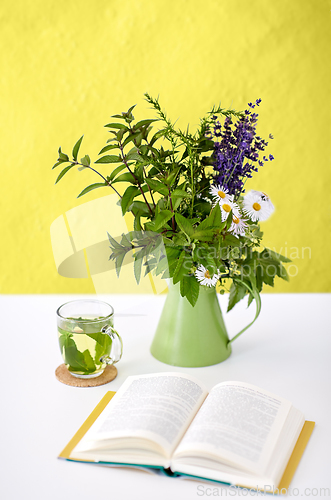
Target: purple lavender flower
236, 150
217, 129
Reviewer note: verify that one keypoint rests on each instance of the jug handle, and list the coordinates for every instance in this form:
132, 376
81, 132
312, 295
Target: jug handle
256, 295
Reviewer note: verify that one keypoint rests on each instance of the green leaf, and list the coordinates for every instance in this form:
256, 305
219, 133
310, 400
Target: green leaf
58, 163
127, 177
190, 288
114, 244
176, 202
119, 261
277, 256
131, 137
215, 217
229, 220
213, 220
133, 155
139, 257
171, 177
157, 186
183, 267
117, 125
230, 241
172, 257
266, 268
259, 277
267, 278
116, 171
89, 362
237, 292
206, 145
126, 241
158, 135
108, 148
122, 117
103, 345
127, 198
137, 265
144, 122
179, 192
185, 225
91, 187
162, 265
109, 159
120, 134
76, 360
130, 109
63, 156
64, 338
179, 268
139, 173
162, 218
204, 235
86, 161
137, 223
141, 207
282, 273
76, 148
64, 171
179, 239
150, 265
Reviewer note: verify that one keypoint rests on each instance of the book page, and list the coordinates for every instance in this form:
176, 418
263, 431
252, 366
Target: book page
157, 407
238, 423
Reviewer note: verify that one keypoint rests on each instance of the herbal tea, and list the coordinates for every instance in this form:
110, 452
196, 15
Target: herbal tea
84, 344
88, 341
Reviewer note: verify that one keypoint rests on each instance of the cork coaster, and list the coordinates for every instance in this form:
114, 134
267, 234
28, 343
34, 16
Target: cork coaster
63, 375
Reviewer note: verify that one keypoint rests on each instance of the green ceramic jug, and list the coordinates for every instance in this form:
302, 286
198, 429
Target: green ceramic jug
194, 336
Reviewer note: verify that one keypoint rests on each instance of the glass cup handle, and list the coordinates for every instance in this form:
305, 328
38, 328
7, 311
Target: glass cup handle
116, 346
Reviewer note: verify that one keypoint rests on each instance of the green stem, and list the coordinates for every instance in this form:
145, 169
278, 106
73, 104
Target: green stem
149, 189
76, 163
135, 178
192, 181
172, 210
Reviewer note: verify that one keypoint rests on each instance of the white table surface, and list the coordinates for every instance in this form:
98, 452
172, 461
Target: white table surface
287, 351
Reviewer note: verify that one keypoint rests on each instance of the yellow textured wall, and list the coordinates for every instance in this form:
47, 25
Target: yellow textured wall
66, 66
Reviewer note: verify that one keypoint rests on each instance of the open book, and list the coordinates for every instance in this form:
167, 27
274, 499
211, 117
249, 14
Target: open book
237, 434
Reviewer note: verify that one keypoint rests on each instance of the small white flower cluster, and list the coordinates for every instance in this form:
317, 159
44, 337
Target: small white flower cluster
204, 278
256, 206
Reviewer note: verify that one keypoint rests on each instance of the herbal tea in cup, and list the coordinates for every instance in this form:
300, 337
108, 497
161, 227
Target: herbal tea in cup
87, 338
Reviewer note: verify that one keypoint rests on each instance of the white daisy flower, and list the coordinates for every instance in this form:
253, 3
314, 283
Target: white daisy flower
219, 193
238, 226
257, 206
226, 206
204, 278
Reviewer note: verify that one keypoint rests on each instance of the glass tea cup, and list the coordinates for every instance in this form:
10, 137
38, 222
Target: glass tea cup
87, 338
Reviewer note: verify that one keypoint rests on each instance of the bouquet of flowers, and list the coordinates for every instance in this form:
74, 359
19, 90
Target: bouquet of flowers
193, 221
